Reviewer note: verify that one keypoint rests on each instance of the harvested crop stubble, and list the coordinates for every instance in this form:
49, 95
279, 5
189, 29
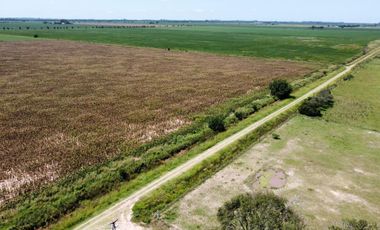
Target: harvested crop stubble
68, 105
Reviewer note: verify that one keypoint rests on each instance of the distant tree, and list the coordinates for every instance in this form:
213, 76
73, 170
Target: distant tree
353, 224
261, 211
216, 123
317, 27
280, 89
35, 36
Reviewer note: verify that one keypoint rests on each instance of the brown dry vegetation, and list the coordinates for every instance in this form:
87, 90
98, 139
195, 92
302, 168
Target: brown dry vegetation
67, 105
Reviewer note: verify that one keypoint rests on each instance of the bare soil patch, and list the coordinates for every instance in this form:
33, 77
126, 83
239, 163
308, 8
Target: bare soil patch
267, 178
67, 105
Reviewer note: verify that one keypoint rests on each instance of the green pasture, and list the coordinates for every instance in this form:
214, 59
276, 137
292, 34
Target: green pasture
358, 100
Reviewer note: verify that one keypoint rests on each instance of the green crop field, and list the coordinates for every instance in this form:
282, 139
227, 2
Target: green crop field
295, 43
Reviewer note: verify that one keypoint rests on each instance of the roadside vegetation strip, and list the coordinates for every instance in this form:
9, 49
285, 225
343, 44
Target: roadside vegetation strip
156, 202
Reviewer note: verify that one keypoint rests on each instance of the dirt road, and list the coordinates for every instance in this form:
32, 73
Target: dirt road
122, 211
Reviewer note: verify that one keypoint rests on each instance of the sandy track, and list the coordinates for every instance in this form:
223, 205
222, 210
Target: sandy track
123, 210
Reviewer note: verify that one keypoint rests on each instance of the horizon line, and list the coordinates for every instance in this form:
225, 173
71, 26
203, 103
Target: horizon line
189, 20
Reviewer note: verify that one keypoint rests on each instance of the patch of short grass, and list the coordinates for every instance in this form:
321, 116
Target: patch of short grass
358, 100
7, 38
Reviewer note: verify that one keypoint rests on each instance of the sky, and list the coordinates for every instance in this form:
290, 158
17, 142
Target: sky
264, 10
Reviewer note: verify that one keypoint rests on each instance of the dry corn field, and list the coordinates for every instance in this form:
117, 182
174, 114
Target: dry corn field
67, 105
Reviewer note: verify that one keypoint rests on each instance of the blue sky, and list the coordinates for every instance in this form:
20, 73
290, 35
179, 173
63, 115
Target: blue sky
281, 10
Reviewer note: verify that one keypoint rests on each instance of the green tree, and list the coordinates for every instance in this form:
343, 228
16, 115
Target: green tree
280, 89
314, 106
261, 211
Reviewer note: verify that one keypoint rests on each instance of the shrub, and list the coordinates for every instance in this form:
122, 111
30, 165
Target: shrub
326, 99
255, 106
314, 106
261, 211
280, 89
276, 136
348, 77
216, 123
231, 119
310, 108
355, 225
244, 112
35, 36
